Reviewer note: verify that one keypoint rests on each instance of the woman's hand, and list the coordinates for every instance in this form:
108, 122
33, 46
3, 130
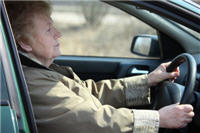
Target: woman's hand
160, 74
176, 116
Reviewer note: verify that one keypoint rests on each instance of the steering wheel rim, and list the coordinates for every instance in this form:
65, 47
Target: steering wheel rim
168, 93
165, 95
191, 77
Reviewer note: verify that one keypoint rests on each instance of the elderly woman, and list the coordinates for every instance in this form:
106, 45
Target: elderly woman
63, 103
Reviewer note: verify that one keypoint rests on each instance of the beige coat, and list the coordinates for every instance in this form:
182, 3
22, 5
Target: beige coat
63, 103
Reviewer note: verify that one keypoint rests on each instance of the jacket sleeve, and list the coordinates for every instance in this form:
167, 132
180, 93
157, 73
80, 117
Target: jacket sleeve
58, 109
123, 92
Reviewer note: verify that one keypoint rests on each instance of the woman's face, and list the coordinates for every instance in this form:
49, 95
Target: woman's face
45, 46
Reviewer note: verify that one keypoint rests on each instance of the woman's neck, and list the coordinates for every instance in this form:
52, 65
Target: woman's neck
39, 60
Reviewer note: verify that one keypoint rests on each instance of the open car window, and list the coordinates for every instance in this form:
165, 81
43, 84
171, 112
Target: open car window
94, 28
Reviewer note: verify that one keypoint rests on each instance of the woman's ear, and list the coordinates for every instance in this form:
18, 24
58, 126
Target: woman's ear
24, 46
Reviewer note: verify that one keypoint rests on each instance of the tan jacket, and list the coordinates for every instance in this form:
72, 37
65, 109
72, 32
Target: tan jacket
63, 103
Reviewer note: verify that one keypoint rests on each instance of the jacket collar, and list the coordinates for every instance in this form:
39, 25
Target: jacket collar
27, 61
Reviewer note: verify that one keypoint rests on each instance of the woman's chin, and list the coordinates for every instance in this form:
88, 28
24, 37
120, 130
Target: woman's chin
57, 53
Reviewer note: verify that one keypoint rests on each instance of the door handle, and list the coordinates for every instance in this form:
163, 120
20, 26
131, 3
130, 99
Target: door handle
137, 71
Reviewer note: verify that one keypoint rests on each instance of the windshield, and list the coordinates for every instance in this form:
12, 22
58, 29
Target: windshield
195, 2
189, 5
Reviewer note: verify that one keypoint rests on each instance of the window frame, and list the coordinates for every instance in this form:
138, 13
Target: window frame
17, 89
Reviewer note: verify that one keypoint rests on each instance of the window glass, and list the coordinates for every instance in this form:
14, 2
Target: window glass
96, 29
197, 2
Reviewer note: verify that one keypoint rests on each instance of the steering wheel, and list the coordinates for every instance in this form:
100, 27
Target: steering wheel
168, 92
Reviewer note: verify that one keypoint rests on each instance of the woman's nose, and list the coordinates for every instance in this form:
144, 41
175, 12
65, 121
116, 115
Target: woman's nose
57, 34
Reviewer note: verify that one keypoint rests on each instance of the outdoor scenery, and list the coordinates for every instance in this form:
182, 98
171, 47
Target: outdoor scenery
94, 28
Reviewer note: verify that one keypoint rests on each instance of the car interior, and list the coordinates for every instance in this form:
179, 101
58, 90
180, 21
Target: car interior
171, 43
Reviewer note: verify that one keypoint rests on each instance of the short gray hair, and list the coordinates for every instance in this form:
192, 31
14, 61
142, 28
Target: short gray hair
21, 14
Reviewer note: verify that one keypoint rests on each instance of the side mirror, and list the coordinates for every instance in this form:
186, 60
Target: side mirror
146, 45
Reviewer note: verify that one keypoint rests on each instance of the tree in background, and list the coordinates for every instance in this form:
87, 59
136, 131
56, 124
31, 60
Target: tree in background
93, 12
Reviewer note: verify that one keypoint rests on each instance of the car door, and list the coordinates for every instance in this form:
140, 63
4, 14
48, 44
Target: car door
16, 114
115, 59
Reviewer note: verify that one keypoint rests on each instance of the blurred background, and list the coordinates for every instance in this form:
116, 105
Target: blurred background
94, 28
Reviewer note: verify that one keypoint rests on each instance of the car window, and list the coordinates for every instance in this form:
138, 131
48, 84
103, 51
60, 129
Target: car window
96, 29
